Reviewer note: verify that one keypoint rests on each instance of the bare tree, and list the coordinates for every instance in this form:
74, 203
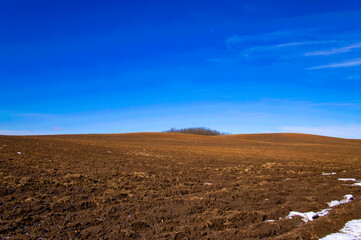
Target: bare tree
197, 130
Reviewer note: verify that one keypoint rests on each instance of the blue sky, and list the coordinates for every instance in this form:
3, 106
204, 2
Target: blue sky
235, 66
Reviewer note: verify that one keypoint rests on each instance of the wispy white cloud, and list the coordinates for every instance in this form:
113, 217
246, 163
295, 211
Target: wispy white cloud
351, 63
354, 77
272, 45
53, 130
353, 105
334, 50
236, 39
353, 131
36, 115
222, 60
297, 44
327, 52
233, 40
15, 132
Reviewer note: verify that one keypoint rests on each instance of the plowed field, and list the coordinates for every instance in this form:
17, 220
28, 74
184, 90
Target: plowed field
175, 186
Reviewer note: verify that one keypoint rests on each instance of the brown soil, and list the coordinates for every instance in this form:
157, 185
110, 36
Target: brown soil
174, 186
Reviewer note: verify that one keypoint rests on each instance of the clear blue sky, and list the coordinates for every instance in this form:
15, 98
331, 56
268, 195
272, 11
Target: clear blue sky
129, 66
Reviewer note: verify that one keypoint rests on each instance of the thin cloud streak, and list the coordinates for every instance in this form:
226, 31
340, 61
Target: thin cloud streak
233, 40
352, 63
334, 50
335, 104
236, 39
298, 43
15, 132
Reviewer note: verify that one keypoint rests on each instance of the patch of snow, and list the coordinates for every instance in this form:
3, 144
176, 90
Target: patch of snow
347, 198
19, 152
358, 183
309, 216
323, 212
326, 174
270, 220
347, 179
208, 183
351, 231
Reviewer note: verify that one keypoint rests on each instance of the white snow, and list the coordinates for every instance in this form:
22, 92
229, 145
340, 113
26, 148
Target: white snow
333, 203
208, 183
347, 198
326, 174
19, 152
358, 183
351, 231
347, 179
323, 212
309, 216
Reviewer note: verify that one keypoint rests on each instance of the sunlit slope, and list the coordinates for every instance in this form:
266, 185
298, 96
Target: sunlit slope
278, 146
170, 186
296, 138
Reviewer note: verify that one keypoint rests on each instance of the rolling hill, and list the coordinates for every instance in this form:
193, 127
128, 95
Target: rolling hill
176, 186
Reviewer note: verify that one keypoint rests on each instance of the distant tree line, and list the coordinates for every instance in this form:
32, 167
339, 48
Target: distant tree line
197, 130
